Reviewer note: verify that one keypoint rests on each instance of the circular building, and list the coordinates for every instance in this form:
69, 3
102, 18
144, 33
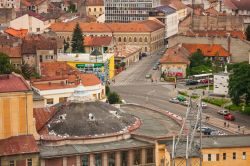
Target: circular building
87, 132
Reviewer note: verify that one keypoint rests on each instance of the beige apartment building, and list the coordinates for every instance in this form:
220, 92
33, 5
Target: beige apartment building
148, 34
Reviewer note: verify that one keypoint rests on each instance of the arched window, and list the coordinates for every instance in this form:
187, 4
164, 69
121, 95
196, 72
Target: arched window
146, 39
119, 39
124, 39
89, 9
68, 39
100, 9
135, 40
94, 9
130, 39
146, 49
140, 40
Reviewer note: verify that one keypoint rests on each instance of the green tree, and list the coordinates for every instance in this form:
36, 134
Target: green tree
5, 65
198, 59
107, 90
239, 83
248, 33
72, 8
77, 40
114, 98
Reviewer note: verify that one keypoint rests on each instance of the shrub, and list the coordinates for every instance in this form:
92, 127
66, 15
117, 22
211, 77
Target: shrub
114, 98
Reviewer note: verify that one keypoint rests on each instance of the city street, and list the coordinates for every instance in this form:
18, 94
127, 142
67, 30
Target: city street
133, 87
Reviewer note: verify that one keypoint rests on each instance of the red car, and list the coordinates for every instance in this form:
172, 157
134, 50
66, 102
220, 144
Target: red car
229, 117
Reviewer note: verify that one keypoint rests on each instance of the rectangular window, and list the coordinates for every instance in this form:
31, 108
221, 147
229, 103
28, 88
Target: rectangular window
111, 159
12, 163
50, 101
234, 156
137, 157
217, 157
224, 156
124, 158
209, 157
98, 159
244, 155
150, 155
29, 162
62, 99
85, 160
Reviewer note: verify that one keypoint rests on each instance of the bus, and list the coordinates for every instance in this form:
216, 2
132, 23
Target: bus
203, 78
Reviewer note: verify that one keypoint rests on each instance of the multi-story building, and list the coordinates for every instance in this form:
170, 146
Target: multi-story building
126, 11
148, 34
10, 4
168, 16
95, 7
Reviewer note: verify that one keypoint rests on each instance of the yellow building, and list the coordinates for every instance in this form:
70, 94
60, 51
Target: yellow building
103, 65
16, 107
228, 150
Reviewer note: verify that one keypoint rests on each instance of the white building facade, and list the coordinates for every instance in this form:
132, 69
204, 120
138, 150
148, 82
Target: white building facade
126, 11
10, 4
221, 83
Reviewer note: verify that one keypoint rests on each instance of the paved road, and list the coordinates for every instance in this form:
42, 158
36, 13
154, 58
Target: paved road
135, 88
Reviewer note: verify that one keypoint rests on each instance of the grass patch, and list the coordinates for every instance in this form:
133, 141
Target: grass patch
216, 101
211, 87
185, 94
234, 107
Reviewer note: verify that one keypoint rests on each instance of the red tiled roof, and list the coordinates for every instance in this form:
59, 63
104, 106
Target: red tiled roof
207, 49
51, 71
22, 144
138, 26
95, 3
13, 83
174, 55
43, 115
32, 2
16, 33
97, 41
12, 52
178, 5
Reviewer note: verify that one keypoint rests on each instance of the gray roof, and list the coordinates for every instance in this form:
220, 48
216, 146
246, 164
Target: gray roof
228, 141
37, 97
166, 9
74, 119
52, 151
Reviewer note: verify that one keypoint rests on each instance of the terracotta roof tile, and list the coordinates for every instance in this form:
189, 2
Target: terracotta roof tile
207, 49
43, 115
13, 83
16, 33
51, 71
97, 41
12, 52
176, 4
175, 54
95, 3
140, 26
23, 144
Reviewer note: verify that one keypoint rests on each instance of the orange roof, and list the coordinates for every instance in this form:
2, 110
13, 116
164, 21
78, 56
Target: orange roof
175, 54
138, 26
97, 41
16, 33
94, 3
178, 5
207, 49
51, 71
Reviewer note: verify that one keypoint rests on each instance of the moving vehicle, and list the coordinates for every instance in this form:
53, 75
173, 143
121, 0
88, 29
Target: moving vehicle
203, 105
205, 130
185, 103
202, 78
155, 67
223, 112
191, 82
181, 98
229, 117
174, 100
148, 76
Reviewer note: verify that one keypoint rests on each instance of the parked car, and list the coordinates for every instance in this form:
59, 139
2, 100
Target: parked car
181, 98
155, 67
223, 112
174, 100
148, 76
185, 103
229, 117
191, 82
205, 130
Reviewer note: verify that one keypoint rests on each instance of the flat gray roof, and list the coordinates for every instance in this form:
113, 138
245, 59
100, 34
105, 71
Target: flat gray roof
64, 150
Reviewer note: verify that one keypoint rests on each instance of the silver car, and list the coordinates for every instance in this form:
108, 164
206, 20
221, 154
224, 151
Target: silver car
174, 100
